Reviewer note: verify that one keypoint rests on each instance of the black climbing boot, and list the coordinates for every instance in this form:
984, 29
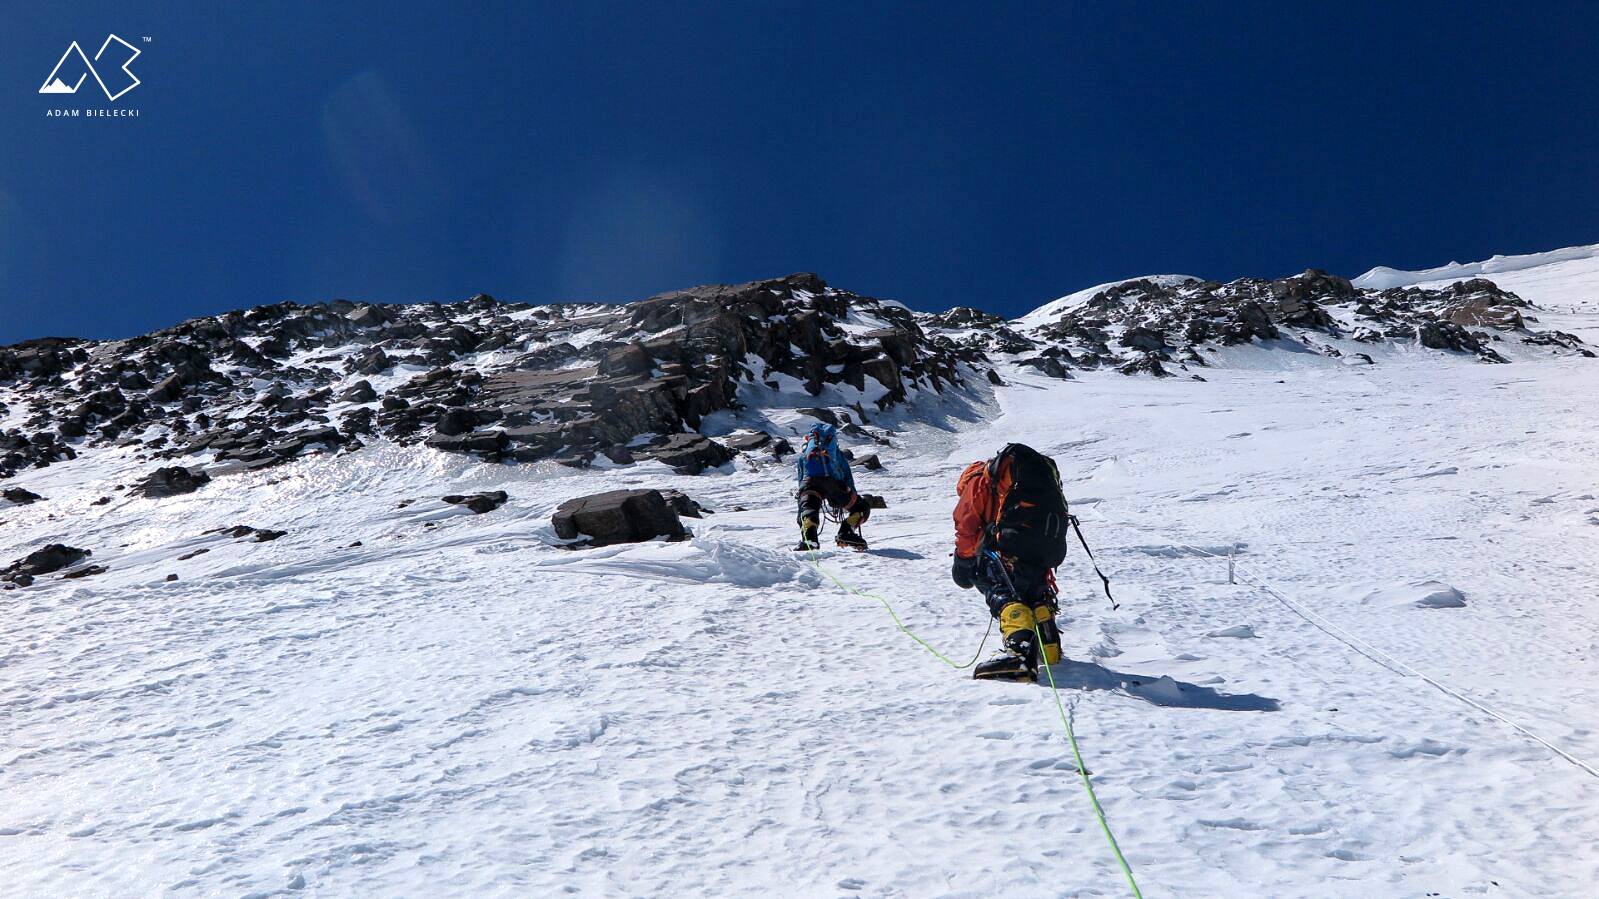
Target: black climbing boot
849, 535
1009, 667
1019, 661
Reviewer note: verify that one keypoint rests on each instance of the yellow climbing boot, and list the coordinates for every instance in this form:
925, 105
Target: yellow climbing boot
1050, 632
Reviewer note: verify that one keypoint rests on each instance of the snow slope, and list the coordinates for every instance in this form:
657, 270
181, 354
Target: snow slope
1382, 277
419, 701
1562, 281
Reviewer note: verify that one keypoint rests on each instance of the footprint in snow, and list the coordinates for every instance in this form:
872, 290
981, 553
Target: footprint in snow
1426, 746
1436, 472
1232, 824
1105, 649
1241, 631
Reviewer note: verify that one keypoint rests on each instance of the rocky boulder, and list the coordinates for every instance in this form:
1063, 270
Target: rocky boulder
479, 503
686, 453
45, 560
359, 392
257, 535
748, 442
172, 481
618, 516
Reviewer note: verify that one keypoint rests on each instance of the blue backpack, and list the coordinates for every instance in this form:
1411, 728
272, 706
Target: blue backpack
820, 456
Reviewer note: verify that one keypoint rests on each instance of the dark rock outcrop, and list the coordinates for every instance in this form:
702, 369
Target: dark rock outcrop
172, 481
685, 453
618, 516
1446, 335
1142, 326
240, 531
45, 560
479, 503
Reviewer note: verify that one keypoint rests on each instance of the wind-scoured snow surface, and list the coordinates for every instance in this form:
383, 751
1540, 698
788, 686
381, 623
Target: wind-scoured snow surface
456, 706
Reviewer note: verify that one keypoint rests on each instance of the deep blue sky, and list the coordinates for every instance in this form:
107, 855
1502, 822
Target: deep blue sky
998, 155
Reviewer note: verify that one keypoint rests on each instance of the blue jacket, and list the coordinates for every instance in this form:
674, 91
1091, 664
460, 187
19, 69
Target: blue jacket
821, 456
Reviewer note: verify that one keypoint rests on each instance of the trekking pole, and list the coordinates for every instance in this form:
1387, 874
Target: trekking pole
1072, 520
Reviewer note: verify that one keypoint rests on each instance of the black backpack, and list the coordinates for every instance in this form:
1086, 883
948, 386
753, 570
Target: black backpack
1032, 520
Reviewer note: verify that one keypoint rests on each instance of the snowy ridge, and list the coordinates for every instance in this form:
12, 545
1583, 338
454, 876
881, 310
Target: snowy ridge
1168, 325
1564, 283
501, 381
1382, 277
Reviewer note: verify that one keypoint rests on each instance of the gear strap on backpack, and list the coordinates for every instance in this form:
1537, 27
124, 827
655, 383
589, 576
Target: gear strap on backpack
1031, 517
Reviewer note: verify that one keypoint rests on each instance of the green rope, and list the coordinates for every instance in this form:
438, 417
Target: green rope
1082, 770
900, 624
1054, 689
1071, 737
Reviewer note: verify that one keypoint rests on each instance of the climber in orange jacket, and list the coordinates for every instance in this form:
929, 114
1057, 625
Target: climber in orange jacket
1010, 535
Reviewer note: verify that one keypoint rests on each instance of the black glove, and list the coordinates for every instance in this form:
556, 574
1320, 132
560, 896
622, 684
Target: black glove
962, 571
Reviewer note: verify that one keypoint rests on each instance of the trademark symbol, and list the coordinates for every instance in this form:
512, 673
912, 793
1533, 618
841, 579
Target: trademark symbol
145, 39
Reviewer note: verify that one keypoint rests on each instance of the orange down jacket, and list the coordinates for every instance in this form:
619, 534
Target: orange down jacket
976, 508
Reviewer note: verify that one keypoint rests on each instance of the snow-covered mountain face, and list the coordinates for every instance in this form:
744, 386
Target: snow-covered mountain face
1148, 325
1562, 284
314, 674
503, 382
660, 377
1568, 267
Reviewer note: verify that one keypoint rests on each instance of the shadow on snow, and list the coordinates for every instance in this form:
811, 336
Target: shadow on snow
896, 554
1159, 690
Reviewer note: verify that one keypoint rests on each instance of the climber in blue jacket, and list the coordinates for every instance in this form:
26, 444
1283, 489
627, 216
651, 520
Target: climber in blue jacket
824, 475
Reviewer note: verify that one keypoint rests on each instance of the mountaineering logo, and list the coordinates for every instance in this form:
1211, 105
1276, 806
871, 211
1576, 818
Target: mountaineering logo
78, 64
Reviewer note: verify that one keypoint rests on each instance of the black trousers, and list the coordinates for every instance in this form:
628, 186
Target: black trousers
815, 490
1030, 581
